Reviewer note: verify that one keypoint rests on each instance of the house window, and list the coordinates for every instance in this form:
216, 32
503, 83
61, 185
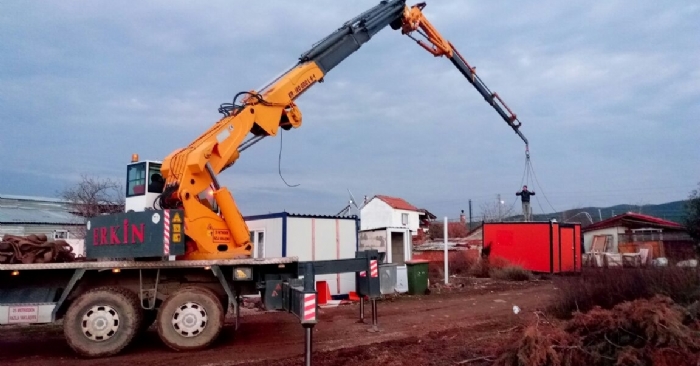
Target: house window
404, 219
257, 238
60, 234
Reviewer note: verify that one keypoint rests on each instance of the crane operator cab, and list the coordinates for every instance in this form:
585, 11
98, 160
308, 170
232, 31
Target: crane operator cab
144, 183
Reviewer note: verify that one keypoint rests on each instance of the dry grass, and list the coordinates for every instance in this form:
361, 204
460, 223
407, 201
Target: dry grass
511, 273
609, 287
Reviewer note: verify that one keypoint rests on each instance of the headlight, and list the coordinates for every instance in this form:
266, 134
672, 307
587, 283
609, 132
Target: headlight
242, 273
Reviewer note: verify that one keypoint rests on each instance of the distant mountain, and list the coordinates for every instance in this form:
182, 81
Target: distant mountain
672, 211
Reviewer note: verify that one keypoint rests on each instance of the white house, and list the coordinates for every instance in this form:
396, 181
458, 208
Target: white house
308, 237
384, 211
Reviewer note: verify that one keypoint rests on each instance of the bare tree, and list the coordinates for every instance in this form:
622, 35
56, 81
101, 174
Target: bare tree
495, 211
93, 196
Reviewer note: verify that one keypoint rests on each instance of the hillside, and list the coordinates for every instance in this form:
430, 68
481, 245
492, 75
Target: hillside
672, 211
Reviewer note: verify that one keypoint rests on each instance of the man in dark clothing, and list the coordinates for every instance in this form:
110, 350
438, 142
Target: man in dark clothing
157, 183
525, 197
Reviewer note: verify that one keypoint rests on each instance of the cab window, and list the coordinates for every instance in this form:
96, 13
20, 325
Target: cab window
136, 180
154, 171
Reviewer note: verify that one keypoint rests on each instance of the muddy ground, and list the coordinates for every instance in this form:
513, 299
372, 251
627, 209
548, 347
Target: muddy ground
441, 328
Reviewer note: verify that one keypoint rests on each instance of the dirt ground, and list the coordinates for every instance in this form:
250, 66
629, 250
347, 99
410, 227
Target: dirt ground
442, 328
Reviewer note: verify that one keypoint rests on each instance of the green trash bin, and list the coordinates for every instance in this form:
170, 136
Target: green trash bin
417, 273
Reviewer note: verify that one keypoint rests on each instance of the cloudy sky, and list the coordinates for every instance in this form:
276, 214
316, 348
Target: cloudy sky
608, 93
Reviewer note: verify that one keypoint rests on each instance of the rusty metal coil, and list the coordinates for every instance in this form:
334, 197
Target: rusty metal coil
34, 249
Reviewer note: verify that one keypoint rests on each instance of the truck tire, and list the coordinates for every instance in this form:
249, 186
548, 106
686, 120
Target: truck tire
102, 321
190, 319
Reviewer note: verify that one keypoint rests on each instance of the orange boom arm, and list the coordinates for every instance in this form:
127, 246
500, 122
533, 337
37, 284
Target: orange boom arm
191, 172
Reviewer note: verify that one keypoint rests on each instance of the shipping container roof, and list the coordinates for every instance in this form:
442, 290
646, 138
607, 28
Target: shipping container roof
274, 215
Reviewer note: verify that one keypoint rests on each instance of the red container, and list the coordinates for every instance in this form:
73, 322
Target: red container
547, 247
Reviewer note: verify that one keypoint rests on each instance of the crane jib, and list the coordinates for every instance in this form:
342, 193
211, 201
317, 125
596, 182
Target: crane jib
337, 46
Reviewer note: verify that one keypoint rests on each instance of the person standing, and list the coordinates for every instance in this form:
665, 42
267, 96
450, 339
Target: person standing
525, 198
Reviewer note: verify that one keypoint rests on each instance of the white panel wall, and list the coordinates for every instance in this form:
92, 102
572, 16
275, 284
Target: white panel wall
273, 235
299, 238
412, 220
375, 214
348, 247
588, 237
324, 239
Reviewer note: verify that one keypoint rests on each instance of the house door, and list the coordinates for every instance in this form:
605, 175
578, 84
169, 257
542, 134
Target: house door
399, 252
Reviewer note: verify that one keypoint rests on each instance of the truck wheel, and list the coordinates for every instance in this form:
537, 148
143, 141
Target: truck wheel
190, 319
102, 321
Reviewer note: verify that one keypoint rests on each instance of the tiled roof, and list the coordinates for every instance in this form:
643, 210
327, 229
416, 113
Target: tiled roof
397, 203
633, 218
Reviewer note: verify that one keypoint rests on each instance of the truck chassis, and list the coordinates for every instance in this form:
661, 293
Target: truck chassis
104, 304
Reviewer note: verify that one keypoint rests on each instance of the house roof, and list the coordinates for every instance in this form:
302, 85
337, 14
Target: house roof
427, 213
631, 219
397, 203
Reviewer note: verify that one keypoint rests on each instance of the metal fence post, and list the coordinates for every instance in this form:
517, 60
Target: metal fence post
445, 253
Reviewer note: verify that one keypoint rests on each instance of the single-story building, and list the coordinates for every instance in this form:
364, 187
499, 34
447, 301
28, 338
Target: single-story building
26, 215
308, 237
628, 232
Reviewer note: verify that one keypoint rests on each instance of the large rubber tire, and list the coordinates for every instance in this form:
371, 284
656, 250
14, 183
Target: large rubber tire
102, 321
190, 319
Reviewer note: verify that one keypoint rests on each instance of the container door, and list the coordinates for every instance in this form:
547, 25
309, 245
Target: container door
568, 250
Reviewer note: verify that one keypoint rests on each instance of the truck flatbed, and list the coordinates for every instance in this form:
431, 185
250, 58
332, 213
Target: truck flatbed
140, 264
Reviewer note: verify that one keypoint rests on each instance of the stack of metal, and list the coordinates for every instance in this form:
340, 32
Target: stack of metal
34, 249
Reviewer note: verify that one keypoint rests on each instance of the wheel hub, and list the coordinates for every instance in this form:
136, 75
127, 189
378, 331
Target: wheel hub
100, 323
190, 319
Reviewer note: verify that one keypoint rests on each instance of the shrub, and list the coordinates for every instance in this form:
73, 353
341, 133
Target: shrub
653, 331
511, 273
609, 287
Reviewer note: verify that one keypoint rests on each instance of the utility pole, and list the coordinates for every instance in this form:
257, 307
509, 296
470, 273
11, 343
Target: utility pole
499, 207
470, 214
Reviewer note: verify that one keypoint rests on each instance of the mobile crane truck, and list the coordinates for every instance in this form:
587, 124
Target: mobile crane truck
179, 255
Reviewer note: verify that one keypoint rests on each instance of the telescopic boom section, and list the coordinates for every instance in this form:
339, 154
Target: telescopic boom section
191, 172
413, 20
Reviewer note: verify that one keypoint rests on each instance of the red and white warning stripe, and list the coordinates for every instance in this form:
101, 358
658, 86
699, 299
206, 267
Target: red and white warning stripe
309, 307
166, 232
374, 270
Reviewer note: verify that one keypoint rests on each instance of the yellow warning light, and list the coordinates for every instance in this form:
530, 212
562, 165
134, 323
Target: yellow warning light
116, 270
207, 268
15, 273
134, 158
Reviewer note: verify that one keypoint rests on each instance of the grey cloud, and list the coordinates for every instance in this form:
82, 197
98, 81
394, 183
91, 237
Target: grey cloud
604, 90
